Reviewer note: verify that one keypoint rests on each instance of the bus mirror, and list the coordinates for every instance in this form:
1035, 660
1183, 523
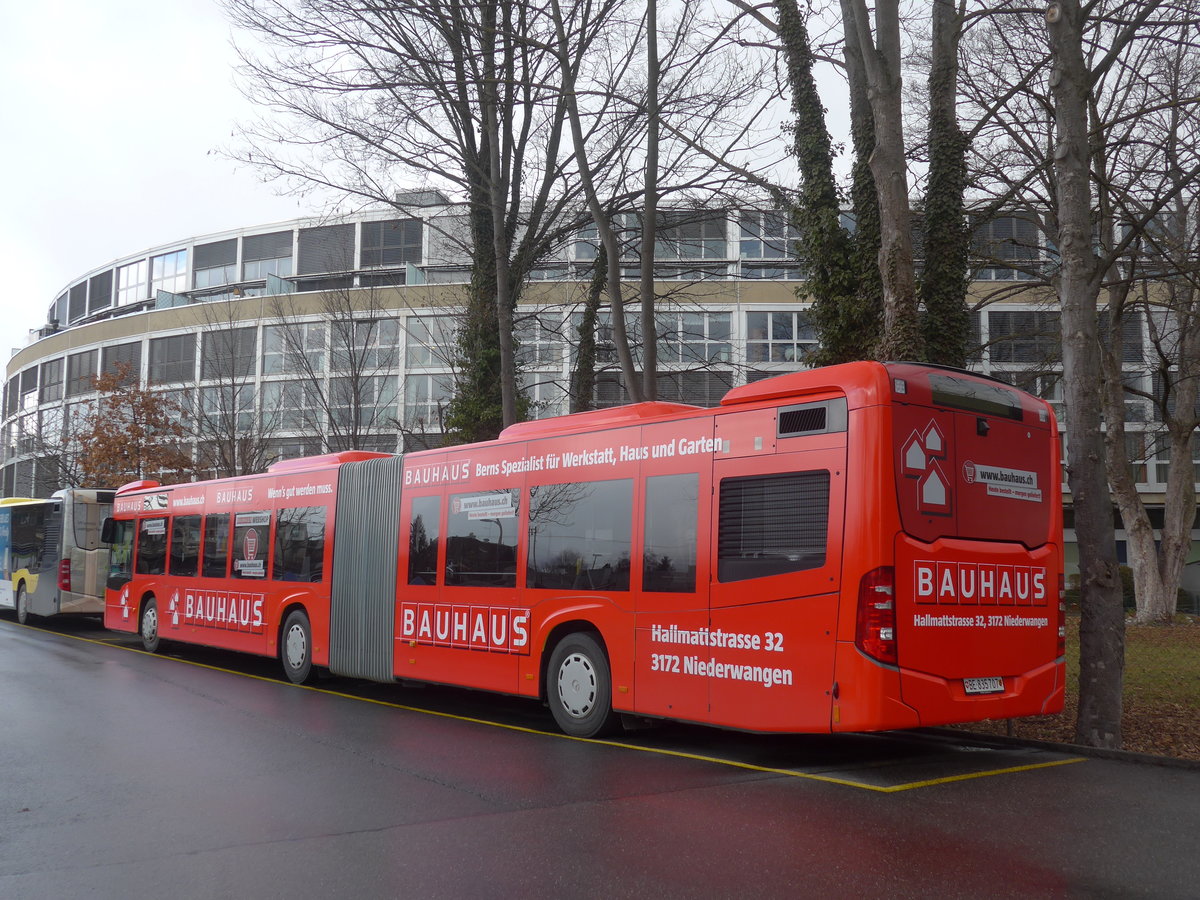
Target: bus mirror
108, 529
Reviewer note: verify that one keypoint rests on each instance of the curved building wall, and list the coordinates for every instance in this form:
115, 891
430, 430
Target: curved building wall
304, 336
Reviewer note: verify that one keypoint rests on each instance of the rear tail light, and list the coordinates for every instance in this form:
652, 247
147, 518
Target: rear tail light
1062, 616
875, 634
64, 575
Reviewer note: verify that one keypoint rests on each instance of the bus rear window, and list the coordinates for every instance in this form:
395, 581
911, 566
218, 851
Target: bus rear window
989, 399
772, 524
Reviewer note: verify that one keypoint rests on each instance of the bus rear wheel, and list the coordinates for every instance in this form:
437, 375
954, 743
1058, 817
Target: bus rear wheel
295, 649
580, 688
22, 604
148, 626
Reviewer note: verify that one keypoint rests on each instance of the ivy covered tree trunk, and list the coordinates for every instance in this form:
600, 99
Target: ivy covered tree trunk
583, 374
946, 323
842, 316
476, 411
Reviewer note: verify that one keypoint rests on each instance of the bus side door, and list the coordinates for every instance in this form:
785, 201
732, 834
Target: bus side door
777, 535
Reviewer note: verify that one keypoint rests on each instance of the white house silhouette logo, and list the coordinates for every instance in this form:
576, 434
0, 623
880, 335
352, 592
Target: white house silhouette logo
923, 456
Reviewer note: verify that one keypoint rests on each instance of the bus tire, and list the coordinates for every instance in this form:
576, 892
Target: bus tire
295, 648
148, 626
22, 604
580, 687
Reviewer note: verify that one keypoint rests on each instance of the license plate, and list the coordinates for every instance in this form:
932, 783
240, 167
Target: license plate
983, 685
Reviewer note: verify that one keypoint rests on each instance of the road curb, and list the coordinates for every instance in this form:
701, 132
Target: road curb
1148, 759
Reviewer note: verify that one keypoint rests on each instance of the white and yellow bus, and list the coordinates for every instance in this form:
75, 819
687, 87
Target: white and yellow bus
52, 561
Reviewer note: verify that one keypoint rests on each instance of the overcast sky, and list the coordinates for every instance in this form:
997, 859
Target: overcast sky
111, 116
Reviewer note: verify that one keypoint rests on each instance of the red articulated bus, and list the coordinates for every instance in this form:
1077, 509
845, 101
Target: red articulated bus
861, 547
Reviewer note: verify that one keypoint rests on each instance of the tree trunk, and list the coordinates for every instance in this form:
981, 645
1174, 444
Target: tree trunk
650, 210
881, 57
1102, 625
946, 324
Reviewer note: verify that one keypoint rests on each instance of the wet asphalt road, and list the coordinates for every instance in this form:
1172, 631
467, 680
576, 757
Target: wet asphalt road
126, 775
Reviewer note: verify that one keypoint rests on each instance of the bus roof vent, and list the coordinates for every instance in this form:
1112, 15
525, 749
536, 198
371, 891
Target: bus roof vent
812, 418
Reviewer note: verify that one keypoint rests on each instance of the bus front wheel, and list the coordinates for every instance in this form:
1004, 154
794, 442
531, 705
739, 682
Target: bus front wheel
580, 688
149, 626
22, 604
295, 650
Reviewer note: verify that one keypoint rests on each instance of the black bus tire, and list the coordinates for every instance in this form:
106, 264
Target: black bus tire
579, 688
22, 604
148, 626
295, 648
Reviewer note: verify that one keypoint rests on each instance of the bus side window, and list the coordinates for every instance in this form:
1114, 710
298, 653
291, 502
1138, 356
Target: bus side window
581, 535
216, 546
185, 546
481, 539
150, 557
251, 542
120, 559
772, 524
299, 544
423, 534
669, 551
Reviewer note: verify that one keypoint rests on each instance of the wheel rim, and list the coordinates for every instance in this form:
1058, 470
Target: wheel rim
150, 623
22, 605
296, 646
577, 685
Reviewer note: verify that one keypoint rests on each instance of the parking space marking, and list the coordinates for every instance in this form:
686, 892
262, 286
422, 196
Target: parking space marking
660, 751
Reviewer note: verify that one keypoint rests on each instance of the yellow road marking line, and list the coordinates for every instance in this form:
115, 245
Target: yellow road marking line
660, 751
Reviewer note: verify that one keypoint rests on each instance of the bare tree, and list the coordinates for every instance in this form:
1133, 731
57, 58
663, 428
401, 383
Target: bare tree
464, 98
233, 436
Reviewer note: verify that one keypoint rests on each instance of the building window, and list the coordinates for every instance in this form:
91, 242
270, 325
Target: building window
393, 242
1024, 337
369, 345
100, 291
214, 264
52, 381
690, 234
78, 301
1007, 247
124, 360
228, 407
363, 402
173, 359
297, 348
81, 369
229, 353
767, 235
425, 399
292, 405
428, 342
693, 337
267, 254
779, 337
326, 248
168, 272
133, 283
